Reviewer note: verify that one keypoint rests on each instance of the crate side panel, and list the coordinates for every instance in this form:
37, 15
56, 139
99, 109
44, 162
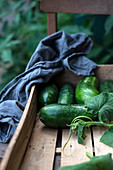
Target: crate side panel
104, 72
17, 146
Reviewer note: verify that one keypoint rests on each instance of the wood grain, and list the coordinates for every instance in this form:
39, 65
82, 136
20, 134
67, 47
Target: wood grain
52, 23
76, 152
99, 147
41, 149
3, 148
77, 6
102, 72
19, 141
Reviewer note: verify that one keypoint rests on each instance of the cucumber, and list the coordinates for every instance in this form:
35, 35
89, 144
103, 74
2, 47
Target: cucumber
49, 95
86, 88
59, 115
66, 95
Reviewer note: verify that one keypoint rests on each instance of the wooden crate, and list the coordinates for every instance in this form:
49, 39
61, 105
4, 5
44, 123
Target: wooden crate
35, 146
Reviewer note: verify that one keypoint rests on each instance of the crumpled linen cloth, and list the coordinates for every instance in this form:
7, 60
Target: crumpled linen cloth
53, 54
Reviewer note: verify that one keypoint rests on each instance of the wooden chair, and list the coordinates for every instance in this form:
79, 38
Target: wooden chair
37, 144
52, 7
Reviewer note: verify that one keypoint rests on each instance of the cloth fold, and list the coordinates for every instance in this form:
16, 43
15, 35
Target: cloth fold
53, 54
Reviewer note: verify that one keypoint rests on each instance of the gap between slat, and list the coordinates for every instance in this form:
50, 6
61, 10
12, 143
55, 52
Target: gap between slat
92, 137
57, 158
58, 150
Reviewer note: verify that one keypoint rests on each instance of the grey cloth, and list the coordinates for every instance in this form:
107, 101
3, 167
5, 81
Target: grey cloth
53, 54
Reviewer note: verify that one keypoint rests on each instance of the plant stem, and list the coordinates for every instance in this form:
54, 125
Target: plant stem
89, 155
67, 142
98, 123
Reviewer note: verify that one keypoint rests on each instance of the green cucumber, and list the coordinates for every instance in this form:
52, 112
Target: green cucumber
66, 95
48, 95
86, 88
59, 115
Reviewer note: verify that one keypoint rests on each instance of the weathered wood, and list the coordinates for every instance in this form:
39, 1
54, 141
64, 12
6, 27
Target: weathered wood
41, 149
76, 152
99, 147
78, 6
102, 72
19, 141
52, 23
3, 148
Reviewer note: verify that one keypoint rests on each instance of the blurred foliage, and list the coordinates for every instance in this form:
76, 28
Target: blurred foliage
23, 25
99, 28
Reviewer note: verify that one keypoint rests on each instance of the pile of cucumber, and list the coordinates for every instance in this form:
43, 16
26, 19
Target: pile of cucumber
60, 107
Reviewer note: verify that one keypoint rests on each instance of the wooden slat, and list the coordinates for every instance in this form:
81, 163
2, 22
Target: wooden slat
19, 141
99, 147
76, 152
21, 137
41, 149
52, 23
3, 148
78, 6
103, 72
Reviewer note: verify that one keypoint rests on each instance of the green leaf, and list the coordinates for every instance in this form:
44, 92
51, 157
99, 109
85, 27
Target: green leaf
107, 137
6, 40
96, 51
17, 18
108, 24
106, 86
102, 105
12, 43
105, 59
72, 29
6, 43
16, 5
32, 28
6, 55
81, 132
108, 39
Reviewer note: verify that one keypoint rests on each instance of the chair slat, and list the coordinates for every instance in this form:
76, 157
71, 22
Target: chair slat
78, 6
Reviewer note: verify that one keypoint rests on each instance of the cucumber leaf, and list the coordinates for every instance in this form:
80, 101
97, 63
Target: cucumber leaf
81, 131
78, 126
107, 137
102, 105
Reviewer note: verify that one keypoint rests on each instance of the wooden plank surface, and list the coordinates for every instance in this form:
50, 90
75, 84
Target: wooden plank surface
19, 141
41, 149
48, 137
3, 148
78, 6
76, 152
52, 23
99, 147
102, 72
